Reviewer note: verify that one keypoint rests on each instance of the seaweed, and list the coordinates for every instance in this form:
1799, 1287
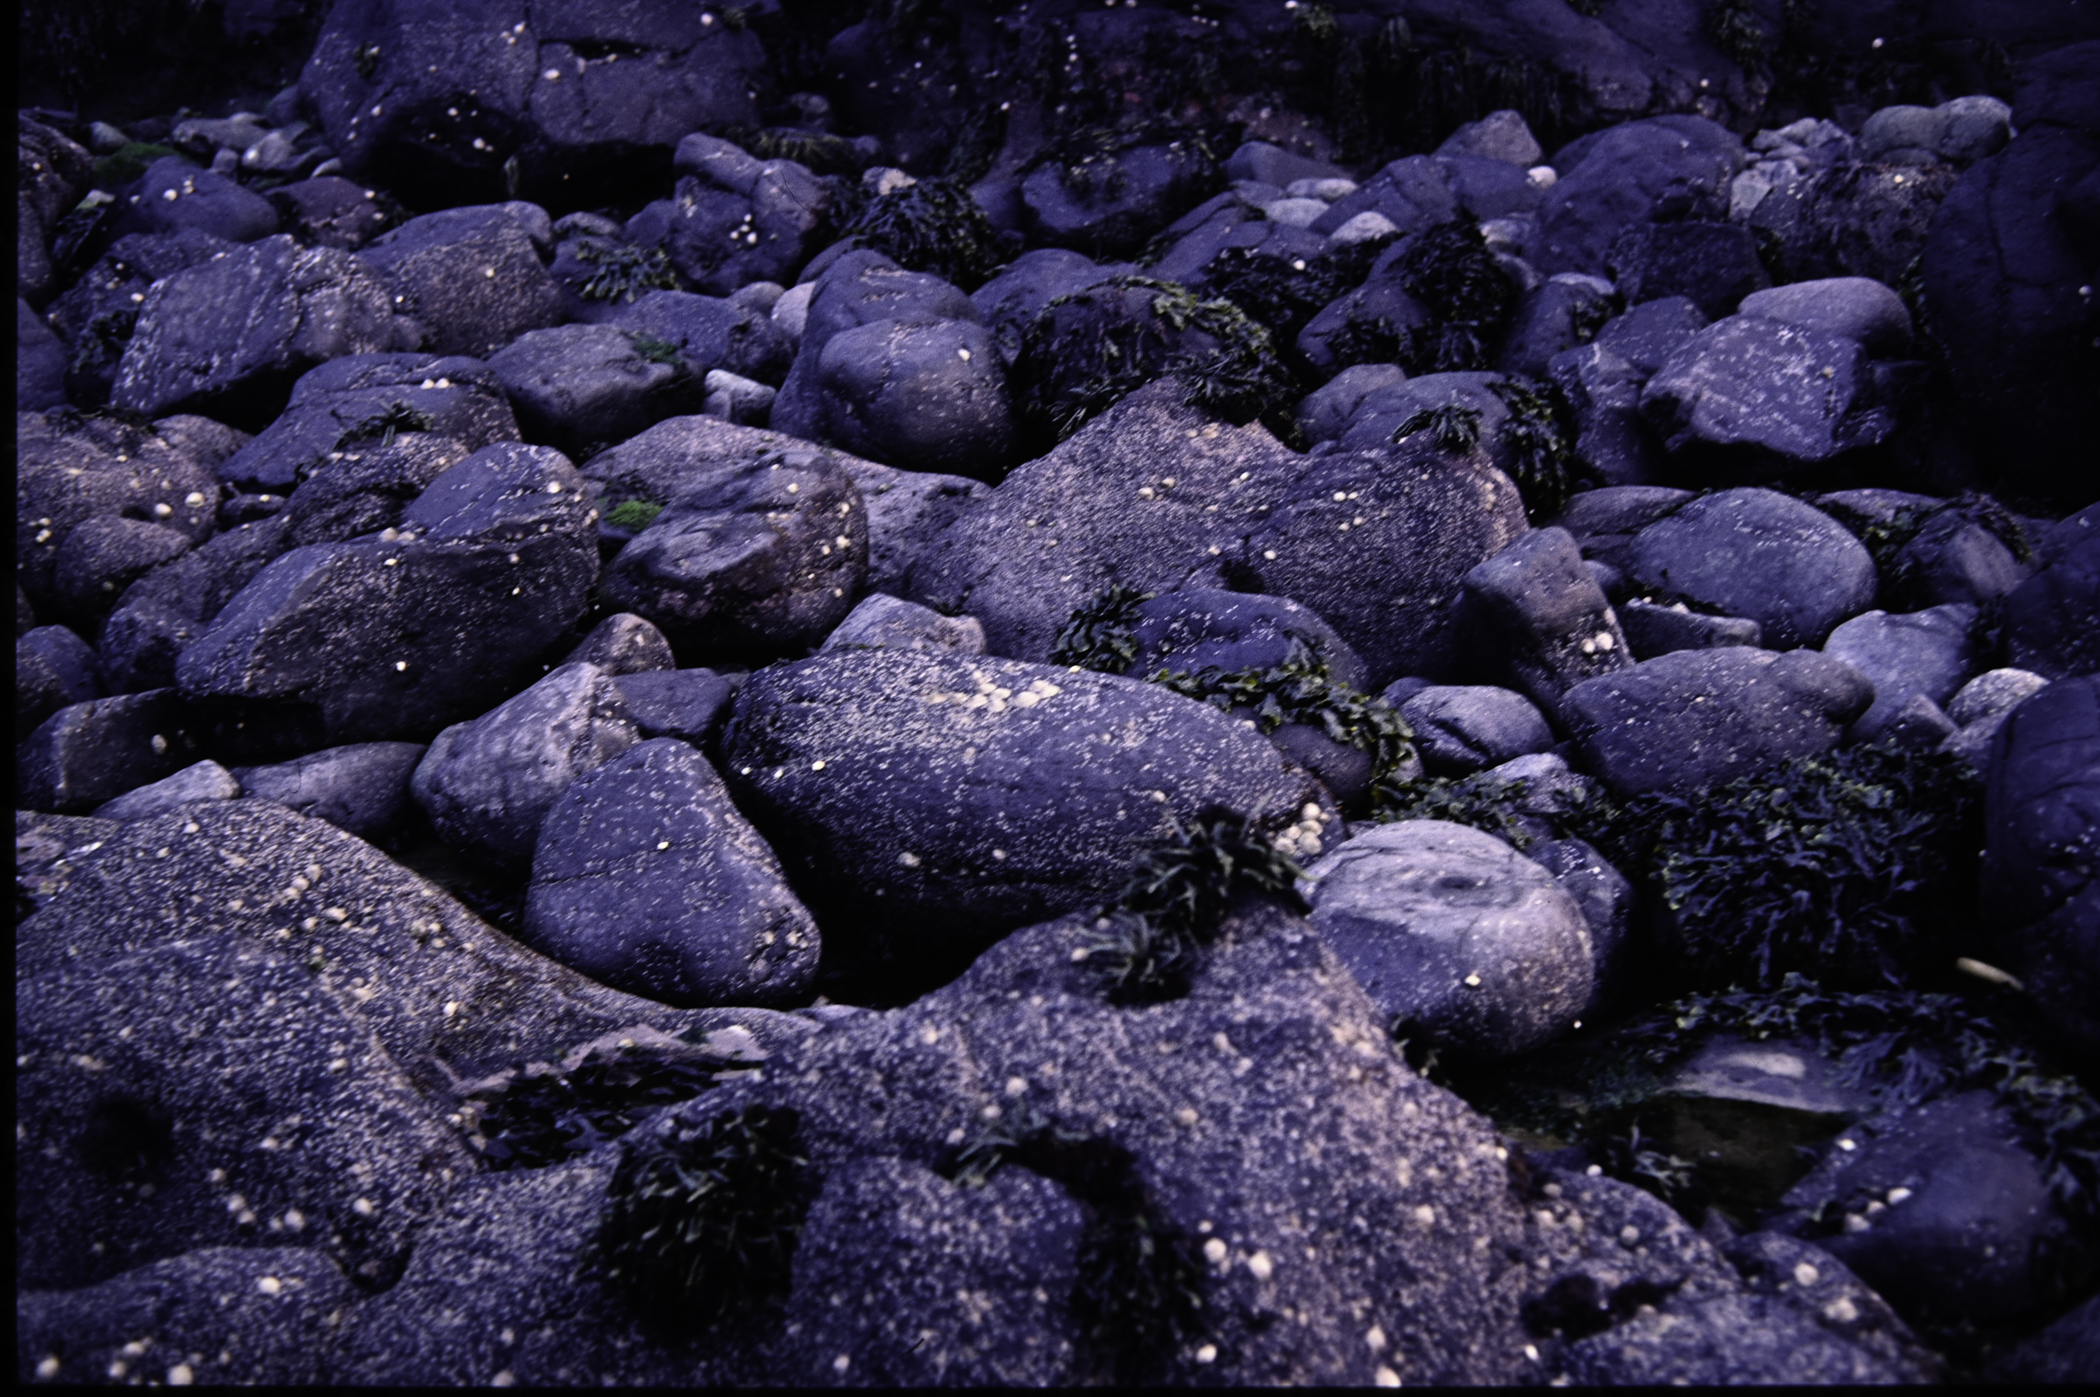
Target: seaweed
1102, 635
1455, 427
1302, 690
538, 1119
1538, 440
1733, 27
702, 1221
1151, 938
1479, 801
634, 515
130, 160
820, 152
655, 348
1450, 271
624, 270
932, 225
974, 147
1852, 864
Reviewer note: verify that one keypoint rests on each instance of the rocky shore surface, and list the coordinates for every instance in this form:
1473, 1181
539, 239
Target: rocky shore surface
1376, 693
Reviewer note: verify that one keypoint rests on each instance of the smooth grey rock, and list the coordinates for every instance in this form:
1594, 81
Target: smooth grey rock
688, 704
1500, 135
884, 622
1992, 693
207, 780
647, 879
487, 784
1757, 553
1849, 307
88, 753
1552, 627
1607, 901
1927, 654
363, 788
1954, 559
329, 211
741, 400
1454, 933
1327, 411
1652, 629
472, 277
733, 219
1756, 385
922, 397
1684, 721
53, 667
173, 195
578, 385
1460, 729
623, 643
1620, 175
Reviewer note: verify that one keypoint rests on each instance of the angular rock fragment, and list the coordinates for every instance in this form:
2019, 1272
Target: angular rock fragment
1777, 395
207, 780
1554, 626
362, 789
472, 277
88, 753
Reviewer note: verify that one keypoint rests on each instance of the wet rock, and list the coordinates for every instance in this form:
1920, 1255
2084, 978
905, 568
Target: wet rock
688, 704
365, 487
1713, 265
624, 644
2042, 803
711, 333
1108, 204
88, 753
1652, 629
1761, 555
1620, 175
926, 397
1772, 395
2052, 620
170, 606
734, 219
330, 211
472, 277
1551, 626
53, 667
647, 879
207, 780
1687, 720
1461, 729
874, 771
1852, 307
1928, 653
175, 195
40, 363
1195, 628
883, 622
487, 784
1456, 935
579, 385
51, 172
362, 788
101, 557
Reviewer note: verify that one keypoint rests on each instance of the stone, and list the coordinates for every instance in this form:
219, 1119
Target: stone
51, 173
102, 557
1455, 936
872, 774
1550, 625
88, 753
54, 667
487, 784
362, 789
755, 558
582, 385
1851, 219
1461, 729
1194, 628
462, 398
1500, 135
2052, 620
733, 219
207, 780
922, 397
383, 639
2067, 1352
330, 211
2042, 803
365, 487
1269, 163
1761, 555
174, 194
40, 363
162, 612
1603, 394
688, 704
623, 644
1327, 411
1993, 693
1927, 654
647, 879
1608, 904
861, 288
1649, 334
472, 277
1652, 629
1560, 314
883, 622
711, 334
1620, 176
1759, 395
1108, 204
1714, 265
1688, 720
1850, 307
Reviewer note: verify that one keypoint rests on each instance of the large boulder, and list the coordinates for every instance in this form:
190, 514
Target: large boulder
585, 387
1616, 177
173, 195
1928, 654
473, 278
734, 219
2052, 619
436, 100
170, 606
925, 802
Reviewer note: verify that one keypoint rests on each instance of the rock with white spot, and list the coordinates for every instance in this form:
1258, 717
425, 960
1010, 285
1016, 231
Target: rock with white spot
587, 385
624, 643
1542, 618
733, 219
91, 752
1929, 653
921, 397
1461, 729
206, 780
1749, 397
1454, 932
471, 277
203, 201
647, 879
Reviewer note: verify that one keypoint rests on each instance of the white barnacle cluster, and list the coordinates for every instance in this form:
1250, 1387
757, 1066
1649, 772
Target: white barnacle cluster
1303, 839
997, 698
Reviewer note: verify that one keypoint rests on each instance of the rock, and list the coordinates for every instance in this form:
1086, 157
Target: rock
357, 395
472, 277
1820, 1286
1648, 335
1652, 629
40, 363
1761, 555
624, 644
379, 639
1761, 396
646, 878
753, 558
51, 172
1607, 901
101, 557
487, 784
1620, 176
688, 704
732, 219
1327, 411
1108, 204
1713, 265
207, 780
860, 289
1920, 725
1939, 1209
174, 195
1850, 307
583, 385
1194, 628
170, 606
961, 796
1461, 729
1383, 411
2052, 620
366, 486
906, 511
2042, 803
1601, 519
362, 789
54, 667
711, 333
1268, 163
1603, 394
1550, 625
2067, 1352
741, 400
1851, 219
49, 850
1456, 936
88, 753
68, 470
249, 1314
1500, 135
926, 397
1960, 132
330, 211
1412, 193
1922, 653
2002, 270
1687, 720
1560, 314
883, 622
462, 93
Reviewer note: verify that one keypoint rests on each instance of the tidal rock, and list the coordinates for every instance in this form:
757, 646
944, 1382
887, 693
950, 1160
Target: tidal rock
1922, 653
1552, 627
91, 752
591, 385
362, 789
1776, 395
1759, 554
207, 780
472, 277
54, 667
883, 622
1461, 729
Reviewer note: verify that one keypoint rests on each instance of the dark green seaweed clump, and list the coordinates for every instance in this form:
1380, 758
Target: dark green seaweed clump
1484, 802
1102, 635
1853, 866
933, 225
1539, 445
624, 271
1451, 272
1175, 900
704, 1221
655, 349
1453, 426
633, 515
1302, 690
538, 1119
